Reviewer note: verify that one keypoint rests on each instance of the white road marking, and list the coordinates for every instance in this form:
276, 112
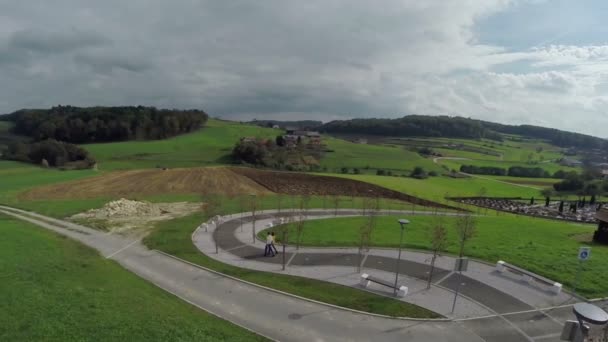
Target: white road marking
122, 249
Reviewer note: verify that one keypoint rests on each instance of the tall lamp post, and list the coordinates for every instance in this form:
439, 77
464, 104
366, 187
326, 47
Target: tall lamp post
403, 223
253, 208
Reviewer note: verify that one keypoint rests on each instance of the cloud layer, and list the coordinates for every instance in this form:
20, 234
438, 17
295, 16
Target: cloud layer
325, 59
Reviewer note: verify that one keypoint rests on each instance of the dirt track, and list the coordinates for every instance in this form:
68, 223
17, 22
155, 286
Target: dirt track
210, 180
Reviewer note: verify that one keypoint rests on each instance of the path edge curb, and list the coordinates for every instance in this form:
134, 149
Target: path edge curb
304, 298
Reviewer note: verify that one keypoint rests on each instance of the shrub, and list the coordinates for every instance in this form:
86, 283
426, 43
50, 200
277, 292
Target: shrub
419, 173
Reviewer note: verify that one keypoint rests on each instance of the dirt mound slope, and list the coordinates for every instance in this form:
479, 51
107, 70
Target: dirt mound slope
126, 215
294, 183
211, 180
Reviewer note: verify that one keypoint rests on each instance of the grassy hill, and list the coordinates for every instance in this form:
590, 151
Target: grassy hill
210, 145
368, 158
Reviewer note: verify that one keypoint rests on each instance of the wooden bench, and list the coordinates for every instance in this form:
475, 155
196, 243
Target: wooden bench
366, 279
528, 276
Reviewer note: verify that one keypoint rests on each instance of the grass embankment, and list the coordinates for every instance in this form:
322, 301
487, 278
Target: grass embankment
53, 288
173, 237
542, 246
211, 145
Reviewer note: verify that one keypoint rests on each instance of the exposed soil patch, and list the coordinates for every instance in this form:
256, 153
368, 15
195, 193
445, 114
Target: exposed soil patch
294, 183
126, 215
210, 180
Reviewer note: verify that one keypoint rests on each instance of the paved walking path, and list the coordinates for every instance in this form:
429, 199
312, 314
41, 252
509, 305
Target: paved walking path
286, 318
505, 309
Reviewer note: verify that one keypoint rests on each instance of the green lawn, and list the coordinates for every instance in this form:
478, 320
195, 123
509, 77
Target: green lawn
436, 188
543, 246
55, 289
368, 158
174, 237
211, 145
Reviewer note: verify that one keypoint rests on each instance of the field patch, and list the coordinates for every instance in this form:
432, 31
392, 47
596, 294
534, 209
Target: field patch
294, 183
215, 180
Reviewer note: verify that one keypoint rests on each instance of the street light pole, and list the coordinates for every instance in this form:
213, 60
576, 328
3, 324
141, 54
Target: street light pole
253, 208
402, 222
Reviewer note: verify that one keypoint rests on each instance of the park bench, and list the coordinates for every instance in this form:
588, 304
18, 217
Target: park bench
528, 276
366, 279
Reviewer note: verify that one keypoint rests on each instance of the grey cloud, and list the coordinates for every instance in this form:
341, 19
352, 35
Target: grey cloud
326, 58
43, 41
106, 63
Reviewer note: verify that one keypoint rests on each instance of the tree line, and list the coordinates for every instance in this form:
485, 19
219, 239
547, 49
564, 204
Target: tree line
459, 127
104, 124
414, 125
50, 153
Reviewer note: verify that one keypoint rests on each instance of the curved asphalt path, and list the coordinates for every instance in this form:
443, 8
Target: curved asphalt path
515, 320
266, 312
490, 297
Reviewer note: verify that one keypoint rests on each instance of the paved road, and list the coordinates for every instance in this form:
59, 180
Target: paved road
274, 315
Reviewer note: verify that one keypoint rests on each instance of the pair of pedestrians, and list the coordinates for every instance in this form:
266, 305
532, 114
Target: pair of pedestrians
270, 249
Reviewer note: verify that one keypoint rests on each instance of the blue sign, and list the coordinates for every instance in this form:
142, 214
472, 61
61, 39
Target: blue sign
584, 253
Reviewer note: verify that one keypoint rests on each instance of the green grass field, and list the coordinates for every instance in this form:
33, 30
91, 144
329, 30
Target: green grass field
174, 237
543, 246
368, 158
210, 145
549, 167
5, 126
55, 289
436, 188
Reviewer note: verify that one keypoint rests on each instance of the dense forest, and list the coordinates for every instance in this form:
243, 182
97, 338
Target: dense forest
300, 124
414, 125
458, 127
103, 124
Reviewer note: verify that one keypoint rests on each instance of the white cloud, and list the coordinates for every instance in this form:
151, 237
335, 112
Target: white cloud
323, 59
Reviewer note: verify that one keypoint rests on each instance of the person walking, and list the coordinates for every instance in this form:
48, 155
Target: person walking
268, 250
272, 244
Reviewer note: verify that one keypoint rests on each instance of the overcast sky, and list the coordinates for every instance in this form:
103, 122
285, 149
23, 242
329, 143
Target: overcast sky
528, 61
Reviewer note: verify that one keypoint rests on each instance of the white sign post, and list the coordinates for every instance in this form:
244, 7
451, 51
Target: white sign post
584, 253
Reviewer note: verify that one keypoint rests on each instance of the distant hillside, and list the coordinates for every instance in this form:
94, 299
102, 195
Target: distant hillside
104, 124
301, 124
458, 127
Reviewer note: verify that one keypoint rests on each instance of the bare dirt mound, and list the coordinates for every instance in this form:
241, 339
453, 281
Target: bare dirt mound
126, 215
294, 183
212, 180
